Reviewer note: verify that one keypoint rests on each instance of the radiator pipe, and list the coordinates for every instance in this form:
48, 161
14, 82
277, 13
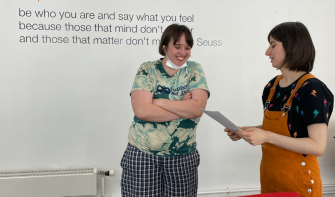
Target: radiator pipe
103, 185
103, 174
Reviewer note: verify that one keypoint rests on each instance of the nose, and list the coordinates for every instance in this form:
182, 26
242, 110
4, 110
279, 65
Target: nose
267, 52
182, 51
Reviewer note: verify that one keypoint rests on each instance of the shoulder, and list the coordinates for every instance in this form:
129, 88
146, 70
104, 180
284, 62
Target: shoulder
192, 63
270, 83
150, 64
194, 67
149, 67
314, 84
315, 88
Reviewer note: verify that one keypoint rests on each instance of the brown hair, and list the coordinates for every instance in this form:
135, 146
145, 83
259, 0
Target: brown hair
174, 31
297, 43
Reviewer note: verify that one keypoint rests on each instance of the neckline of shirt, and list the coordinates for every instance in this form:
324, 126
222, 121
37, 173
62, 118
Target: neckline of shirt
291, 85
163, 71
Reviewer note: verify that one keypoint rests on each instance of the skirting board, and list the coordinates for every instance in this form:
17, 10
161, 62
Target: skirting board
328, 191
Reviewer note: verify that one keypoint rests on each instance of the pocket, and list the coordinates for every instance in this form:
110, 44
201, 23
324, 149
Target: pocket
188, 162
273, 125
124, 160
306, 181
269, 150
195, 157
198, 158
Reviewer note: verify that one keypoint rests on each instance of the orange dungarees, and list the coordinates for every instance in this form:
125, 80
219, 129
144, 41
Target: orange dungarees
283, 170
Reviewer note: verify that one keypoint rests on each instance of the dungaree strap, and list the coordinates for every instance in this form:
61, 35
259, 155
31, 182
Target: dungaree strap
294, 91
272, 91
287, 105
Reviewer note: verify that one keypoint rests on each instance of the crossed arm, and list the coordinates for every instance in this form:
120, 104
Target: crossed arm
315, 144
162, 110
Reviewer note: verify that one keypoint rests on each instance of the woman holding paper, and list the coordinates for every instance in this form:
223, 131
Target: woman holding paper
297, 108
161, 158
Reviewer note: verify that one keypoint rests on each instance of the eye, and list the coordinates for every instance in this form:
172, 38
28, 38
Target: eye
273, 46
188, 48
177, 46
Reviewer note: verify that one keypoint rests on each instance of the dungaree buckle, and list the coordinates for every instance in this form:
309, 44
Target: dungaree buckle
266, 105
285, 109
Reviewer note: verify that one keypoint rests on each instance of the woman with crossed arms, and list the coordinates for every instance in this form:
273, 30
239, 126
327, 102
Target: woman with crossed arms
161, 158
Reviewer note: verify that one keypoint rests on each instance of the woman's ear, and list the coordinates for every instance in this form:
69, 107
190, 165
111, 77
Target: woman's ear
164, 49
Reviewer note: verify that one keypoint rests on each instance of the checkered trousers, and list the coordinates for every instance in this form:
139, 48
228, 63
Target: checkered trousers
146, 174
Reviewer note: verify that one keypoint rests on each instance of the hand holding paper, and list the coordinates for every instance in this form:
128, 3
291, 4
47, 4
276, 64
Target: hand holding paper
222, 120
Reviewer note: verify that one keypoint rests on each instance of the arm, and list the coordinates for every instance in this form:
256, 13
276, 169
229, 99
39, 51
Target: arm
188, 109
315, 144
248, 127
144, 109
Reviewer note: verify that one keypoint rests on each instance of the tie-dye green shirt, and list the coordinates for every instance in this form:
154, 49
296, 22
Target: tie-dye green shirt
172, 138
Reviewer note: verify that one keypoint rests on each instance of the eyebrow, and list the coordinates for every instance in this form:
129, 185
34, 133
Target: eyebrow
180, 44
272, 41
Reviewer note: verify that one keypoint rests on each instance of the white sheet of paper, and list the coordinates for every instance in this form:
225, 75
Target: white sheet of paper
222, 120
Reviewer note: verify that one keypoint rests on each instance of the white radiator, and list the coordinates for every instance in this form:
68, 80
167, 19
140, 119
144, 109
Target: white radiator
49, 183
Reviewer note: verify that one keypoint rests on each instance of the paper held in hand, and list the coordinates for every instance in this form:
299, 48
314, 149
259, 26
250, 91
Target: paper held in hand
222, 120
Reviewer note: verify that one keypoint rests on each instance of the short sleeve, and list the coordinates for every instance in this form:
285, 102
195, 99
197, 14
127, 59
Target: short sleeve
142, 79
314, 102
198, 79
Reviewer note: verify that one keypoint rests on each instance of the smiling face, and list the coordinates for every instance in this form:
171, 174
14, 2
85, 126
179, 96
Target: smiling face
276, 53
180, 52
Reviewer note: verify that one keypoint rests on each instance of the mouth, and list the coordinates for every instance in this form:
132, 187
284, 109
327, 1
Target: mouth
180, 58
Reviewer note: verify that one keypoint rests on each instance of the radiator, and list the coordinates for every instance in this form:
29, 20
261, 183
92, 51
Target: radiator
49, 183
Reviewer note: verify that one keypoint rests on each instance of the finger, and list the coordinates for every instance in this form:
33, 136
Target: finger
187, 96
233, 135
253, 143
235, 138
240, 133
249, 129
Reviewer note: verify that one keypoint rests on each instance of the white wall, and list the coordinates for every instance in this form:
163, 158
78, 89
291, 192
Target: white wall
68, 105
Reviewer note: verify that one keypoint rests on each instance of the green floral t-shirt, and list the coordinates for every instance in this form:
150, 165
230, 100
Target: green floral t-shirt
172, 138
